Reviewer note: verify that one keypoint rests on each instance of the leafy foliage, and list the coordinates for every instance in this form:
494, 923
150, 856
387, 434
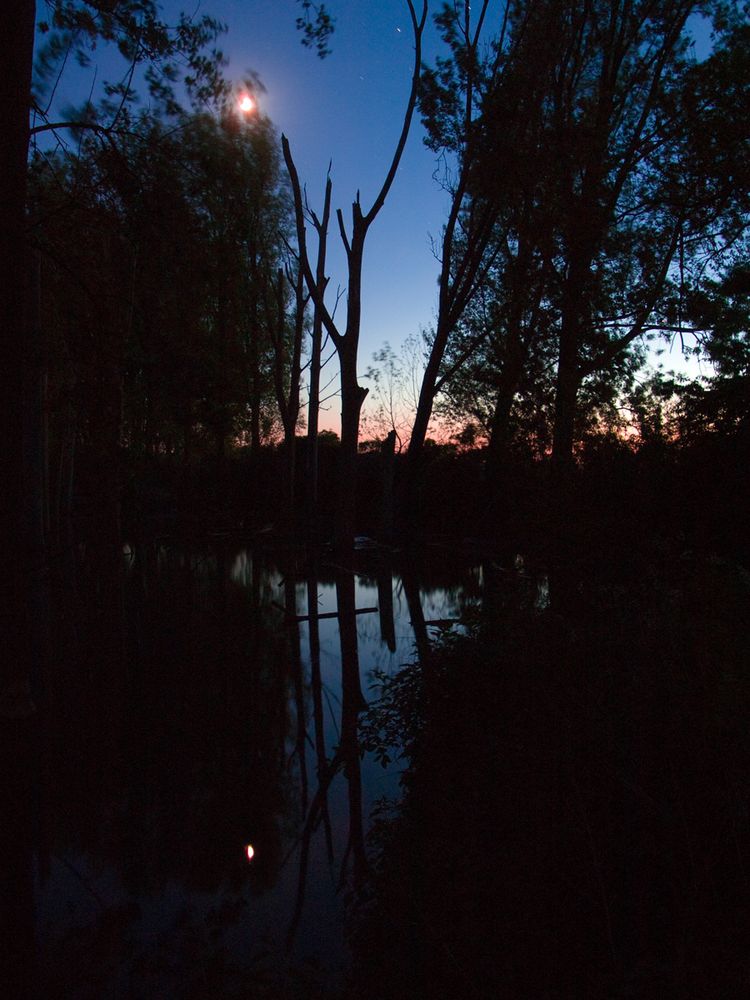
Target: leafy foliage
162, 249
316, 26
618, 167
136, 29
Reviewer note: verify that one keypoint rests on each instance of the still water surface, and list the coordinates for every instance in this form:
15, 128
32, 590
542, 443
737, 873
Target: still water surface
205, 803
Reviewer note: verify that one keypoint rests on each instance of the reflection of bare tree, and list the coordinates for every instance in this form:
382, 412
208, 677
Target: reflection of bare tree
290, 603
385, 604
317, 695
411, 589
346, 757
352, 703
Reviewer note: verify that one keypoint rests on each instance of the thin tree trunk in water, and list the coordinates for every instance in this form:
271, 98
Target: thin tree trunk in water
456, 292
313, 412
352, 398
410, 581
315, 362
352, 703
427, 393
316, 683
290, 603
385, 605
388, 458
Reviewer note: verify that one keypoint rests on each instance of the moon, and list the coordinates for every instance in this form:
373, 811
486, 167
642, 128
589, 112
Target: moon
246, 103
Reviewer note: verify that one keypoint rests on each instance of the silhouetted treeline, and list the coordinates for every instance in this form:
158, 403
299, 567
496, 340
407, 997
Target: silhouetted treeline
697, 491
599, 203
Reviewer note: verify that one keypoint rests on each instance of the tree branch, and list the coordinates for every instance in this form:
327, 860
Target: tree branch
315, 292
418, 28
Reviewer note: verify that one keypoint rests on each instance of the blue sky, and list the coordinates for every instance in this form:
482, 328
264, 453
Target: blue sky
346, 109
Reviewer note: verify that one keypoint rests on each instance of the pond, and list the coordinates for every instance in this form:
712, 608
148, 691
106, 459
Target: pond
204, 801
193, 812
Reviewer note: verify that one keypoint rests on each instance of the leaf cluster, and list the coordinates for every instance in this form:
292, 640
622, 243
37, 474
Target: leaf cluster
316, 26
185, 50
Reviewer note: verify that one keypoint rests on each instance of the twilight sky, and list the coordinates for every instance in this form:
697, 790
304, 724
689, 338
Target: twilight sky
346, 109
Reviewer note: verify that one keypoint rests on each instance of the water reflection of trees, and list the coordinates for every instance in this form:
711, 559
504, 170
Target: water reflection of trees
191, 718
166, 801
576, 811
356, 581
345, 758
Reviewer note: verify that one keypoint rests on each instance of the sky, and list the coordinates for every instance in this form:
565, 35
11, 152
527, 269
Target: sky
347, 110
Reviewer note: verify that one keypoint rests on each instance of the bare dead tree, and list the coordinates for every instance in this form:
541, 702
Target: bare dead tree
313, 410
346, 342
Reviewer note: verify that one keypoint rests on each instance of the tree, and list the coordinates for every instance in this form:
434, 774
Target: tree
451, 102
135, 28
484, 107
161, 250
619, 174
19, 541
288, 373
720, 404
634, 198
347, 342
316, 360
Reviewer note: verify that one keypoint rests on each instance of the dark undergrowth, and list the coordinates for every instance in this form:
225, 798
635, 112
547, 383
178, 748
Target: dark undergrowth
575, 813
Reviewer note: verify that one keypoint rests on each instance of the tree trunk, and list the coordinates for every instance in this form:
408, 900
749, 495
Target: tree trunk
565, 412
427, 396
352, 398
352, 394
497, 460
255, 412
388, 458
17, 42
568, 383
498, 452
385, 604
290, 474
352, 703
313, 412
